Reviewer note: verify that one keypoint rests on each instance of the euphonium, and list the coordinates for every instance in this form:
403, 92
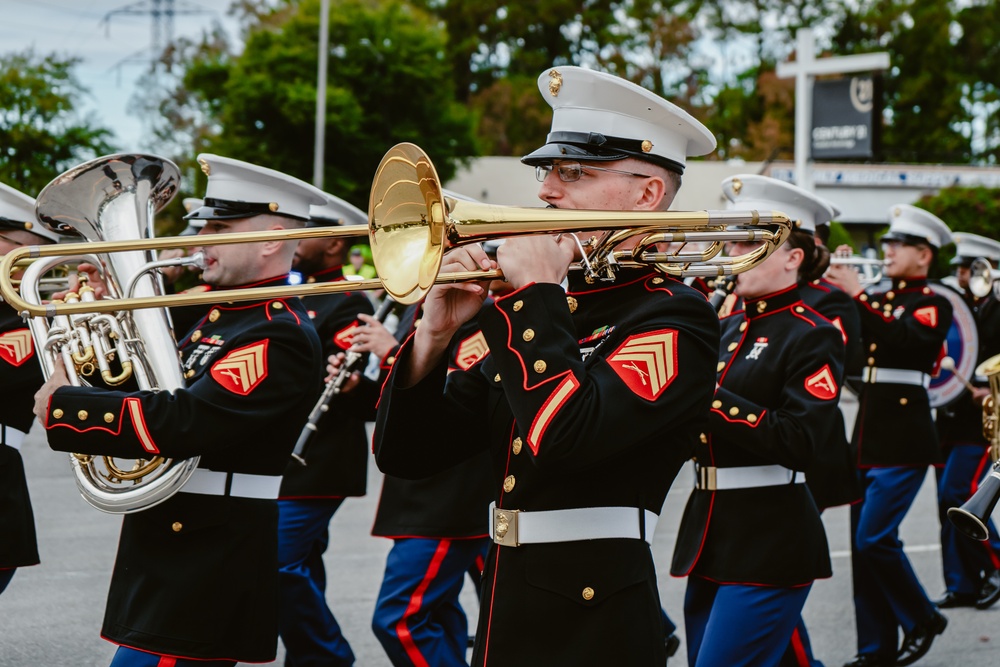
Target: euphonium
113, 198
972, 517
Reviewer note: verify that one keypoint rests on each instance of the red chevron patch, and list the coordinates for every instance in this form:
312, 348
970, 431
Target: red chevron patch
928, 316
242, 370
471, 350
16, 346
647, 362
343, 337
821, 384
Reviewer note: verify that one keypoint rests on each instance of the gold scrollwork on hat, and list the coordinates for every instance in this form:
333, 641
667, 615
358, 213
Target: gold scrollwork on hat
555, 82
207, 170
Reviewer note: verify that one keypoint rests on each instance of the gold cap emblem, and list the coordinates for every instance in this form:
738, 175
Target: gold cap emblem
273, 206
647, 145
555, 82
204, 166
28, 225
737, 186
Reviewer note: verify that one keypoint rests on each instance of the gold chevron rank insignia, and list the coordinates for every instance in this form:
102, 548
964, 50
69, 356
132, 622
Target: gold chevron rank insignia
647, 362
16, 347
242, 370
471, 350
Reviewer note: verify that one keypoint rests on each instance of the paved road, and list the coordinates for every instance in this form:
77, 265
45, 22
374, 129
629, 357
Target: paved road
51, 614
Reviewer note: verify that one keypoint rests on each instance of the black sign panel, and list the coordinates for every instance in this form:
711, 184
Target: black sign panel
845, 118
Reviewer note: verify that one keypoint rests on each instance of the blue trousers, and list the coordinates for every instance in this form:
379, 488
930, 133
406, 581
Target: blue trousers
418, 618
730, 625
887, 594
130, 657
310, 633
5, 577
963, 559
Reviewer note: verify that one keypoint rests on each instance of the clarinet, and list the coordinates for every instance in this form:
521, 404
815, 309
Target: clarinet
723, 288
352, 362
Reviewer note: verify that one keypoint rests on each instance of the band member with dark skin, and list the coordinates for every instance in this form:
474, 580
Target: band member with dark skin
196, 577
577, 486
970, 567
903, 332
20, 376
779, 378
336, 459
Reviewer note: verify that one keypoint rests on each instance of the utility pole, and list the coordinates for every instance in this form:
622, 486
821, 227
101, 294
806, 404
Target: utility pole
805, 69
319, 148
161, 13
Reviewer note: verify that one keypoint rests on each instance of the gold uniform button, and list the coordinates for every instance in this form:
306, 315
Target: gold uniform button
540, 366
902, 284
863, 297
176, 526
871, 361
108, 417
311, 279
752, 419
516, 446
389, 361
903, 401
277, 305
496, 378
734, 411
657, 280
189, 373
716, 404
528, 335
874, 304
799, 309
872, 347
743, 326
416, 323
57, 413
927, 290
518, 305
703, 438
508, 483
761, 306
732, 346
889, 296
720, 366
196, 336
82, 415
214, 315
588, 593
572, 303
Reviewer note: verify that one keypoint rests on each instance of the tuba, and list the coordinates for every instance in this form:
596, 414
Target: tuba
113, 198
972, 517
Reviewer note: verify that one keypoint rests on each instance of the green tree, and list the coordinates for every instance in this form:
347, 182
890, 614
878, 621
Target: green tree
388, 82
43, 133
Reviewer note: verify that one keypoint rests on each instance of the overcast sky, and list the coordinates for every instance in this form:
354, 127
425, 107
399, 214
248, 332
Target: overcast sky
114, 47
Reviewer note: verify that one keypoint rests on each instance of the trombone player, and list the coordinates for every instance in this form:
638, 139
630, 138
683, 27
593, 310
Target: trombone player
970, 567
20, 376
590, 401
196, 577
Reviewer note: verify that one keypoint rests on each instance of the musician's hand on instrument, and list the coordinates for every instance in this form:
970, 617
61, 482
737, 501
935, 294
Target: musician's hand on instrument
94, 278
44, 393
536, 259
334, 363
372, 337
845, 277
449, 306
172, 274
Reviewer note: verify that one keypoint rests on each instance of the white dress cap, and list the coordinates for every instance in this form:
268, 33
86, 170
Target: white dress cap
910, 224
17, 211
336, 211
973, 246
602, 117
238, 189
752, 192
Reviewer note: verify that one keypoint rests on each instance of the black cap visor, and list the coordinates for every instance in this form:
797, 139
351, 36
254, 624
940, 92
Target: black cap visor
906, 239
594, 147
224, 209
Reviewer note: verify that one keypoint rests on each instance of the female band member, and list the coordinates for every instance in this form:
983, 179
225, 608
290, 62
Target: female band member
751, 540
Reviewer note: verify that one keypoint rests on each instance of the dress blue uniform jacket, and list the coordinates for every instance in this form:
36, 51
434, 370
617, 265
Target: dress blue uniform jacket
780, 373
902, 328
337, 453
20, 377
196, 576
589, 398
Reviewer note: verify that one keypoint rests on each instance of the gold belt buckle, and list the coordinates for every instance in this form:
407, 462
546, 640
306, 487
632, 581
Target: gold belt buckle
707, 479
505, 527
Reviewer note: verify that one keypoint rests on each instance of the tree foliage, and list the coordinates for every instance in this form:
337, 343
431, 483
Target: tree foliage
43, 133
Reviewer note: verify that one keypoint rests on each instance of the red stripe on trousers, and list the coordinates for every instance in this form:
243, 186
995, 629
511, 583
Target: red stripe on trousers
801, 658
416, 601
166, 661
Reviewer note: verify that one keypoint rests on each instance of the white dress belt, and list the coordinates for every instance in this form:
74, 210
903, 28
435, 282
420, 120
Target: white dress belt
241, 485
873, 375
516, 527
709, 478
11, 437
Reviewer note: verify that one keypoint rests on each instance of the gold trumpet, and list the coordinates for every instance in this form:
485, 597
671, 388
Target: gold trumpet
411, 223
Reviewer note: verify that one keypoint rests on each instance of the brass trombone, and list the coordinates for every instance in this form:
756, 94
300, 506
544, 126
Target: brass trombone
411, 223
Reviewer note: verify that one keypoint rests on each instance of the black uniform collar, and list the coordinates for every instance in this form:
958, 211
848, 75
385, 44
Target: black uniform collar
913, 282
577, 282
326, 275
769, 303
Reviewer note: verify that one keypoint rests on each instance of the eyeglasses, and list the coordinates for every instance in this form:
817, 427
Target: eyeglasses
572, 171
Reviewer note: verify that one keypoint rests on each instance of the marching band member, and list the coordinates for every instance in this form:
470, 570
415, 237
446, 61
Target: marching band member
578, 484
779, 379
970, 567
903, 330
337, 460
20, 376
196, 577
